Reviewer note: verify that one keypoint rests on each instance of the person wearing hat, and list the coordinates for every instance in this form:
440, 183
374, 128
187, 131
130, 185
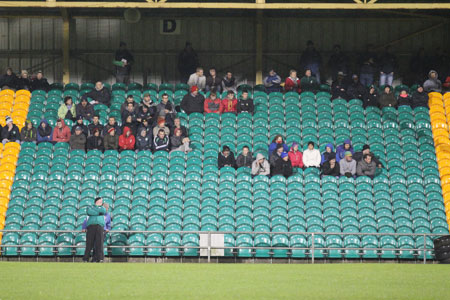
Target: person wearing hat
387, 98
432, 84
311, 156
67, 109
366, 166
126, 140
143, 141
339, 87
78, 140
358, 156
403, 98
355, 89
180, 143
292, 83
193, 102
309, 82
213, 104
39, 82
419, 98
229, 82
95, 227
79, 123
275, 155
371, 97
331, 166
28, 133
296, 156
126, 58
95, 141
226, 158
85, 110
341, 149
283, 166
145, 125
260, 166
24, 82
245, 104
348, 165
198, 79
143, 113
95, 125
244, 159
229, 104
44, 132
10, 133
61, 133
111, 124
111, 139
99, 95
8, 80
329, 150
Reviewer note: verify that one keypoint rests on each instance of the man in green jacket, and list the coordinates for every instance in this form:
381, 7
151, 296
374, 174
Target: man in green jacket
94, 236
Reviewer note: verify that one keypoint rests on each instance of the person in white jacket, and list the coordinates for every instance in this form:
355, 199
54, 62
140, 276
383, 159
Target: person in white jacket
311, 156
197, 79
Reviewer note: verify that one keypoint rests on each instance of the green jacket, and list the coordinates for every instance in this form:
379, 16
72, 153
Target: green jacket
96, 215
62, 111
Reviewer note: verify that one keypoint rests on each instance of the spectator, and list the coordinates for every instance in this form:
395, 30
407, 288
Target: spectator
177, 124
143, 141
260, 166
229, 104
166, 110
85, 110
274, 156
296, 156
292, 83
446, 84
193, 102
366, 166
61, 133
403, 98
348, 165
28, 133
329, 151
145, 125
44, 132
106, 228
131, 124
338, 62
331, 167
356, 90
213, 82
99, 95
245, 104
311, 157
143, 113
23, 82
419, 98
126, 60
388, 64
272, 82
111, 124
432, 84
245, 159
180, 143
418, 66
148, 102
40, 83
95, 226
339, 87
126, 140
161, 141
124, 106
342, 149
197, 79
358, 156
95, 125
308, 82
229, 82
278, 139
129, 112
79, 123
78, 140
226, 158
111, 139
371, 98
283, 166
367, 63
8, 80
67, 109
187, 62
161, 126
213, 104
387, 98
95, 141
311, 59
10, 133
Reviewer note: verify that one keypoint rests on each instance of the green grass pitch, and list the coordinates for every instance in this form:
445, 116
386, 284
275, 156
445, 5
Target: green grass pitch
222, 281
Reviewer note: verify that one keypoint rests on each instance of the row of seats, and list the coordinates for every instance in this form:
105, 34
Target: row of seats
15, 105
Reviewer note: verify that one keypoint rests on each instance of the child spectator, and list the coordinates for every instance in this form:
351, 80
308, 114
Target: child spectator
229, 83
61, 133
366, 167
180, 143
111, 140
245, 159
95, 125
28, 133
308, 82
78, 140
229, 104
292, 83
296, 156
213, 104
283, 166
419, 98
272, 82
79, 123
387, 98
67, 109
143, 141
278, 140
10, 133
371, 98
226, 158
331, 167
329, 151
85, 110
95, 141
148, 129
161, 141
126, 140
193, 102
341, 149
311, 156
348, 165
44, 132
403, 98
260, 166
245, 104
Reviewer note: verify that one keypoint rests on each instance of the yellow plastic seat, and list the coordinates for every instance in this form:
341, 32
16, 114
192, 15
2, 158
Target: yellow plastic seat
5, 185
23, 92
7, 166
435, 94
436, 108
7, 92
7, 175
446, 96
441, 140
4, 193
436, 101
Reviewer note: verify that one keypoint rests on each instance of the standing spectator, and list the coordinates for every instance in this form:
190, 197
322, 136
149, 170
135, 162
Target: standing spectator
129, 112
296, 156
180, 143
213, 104
342, 149
403, 98
187, 62
418, 66
245, 104
40, 83
432, 84
95, 227
161, 141
85, 110
272, 82
311, 156
339, 87
126, 60
348, 165
260, 166
28, 133
366, 166
311, 59
338, 62
95, 125
193, 102
331, 167
387, 98
245, 159
278, 139
308, 82
111, 124
177, 124
99, 95
197, 79
213, 82
61, 133
165, 109
10, 133
292, 83
283, 166
143, 141
67, 109
79, 123
8, 80
106, 228
131, 124
78, 140
95, 141
358, 156
367, 63
388, 65
161, 126
419, 98
274, 156
229, 104
111, 139
44, 132
126, 140
329, 151
129, 99
229, 83
23, 82
371, 98
356, 90
226, 158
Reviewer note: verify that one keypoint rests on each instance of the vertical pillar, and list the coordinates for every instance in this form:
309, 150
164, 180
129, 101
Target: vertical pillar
66, 46
259, 45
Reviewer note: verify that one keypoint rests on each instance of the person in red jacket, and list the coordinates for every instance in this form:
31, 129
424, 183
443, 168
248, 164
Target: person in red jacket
126, 140
292, 83
295, 156
212, 104
229, 104
61, 132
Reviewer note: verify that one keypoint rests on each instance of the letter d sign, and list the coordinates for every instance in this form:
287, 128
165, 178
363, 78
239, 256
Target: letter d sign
169, 26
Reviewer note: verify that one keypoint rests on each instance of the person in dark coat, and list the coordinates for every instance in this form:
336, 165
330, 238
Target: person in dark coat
371, 98
143, 113
387, 98
312, 60
403, 98
143, 141
79, 123
283, 166
177, 124
78, 140
358, 156
40, 82
245, 159
187, 62
10, 133
275, 155
193, 102
339, 87
95, 141
145, 125
226, 158
338, 62
213, 82
129, 99
8, 80
24, 82
99, 95
131, 124
229, 82
356, 90
388, 65
331, 167
308, 82
85, 110
161, 141
111, 139
44, 132
245, 104
419, 98
28, 133
129, 112
126, 58
366, 166
112, 124
95, 125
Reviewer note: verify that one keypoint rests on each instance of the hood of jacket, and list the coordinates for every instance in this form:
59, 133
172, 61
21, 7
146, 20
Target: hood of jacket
260, 156
332, 148
433, 71
347, 141
44, 121
126, 129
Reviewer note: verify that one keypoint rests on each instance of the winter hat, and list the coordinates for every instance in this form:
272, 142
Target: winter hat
365, 147
161, 121
194, 88
348, 153
111, 130
78, 128
8, 120
284, 154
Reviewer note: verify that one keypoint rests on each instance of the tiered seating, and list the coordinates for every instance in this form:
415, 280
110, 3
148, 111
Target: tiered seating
14, 105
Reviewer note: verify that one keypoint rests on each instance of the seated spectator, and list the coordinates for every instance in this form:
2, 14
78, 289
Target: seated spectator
111, 124
131, 124
342, 149
193, 102
356, 90
283, 166
143, 141
229, 104
44, 132
278, 140
40, 83
260, 166
129, 112
358, 156
339, 87
147, 101
61, 133
292, 83
296, 156
419, 98
23, 82
308, 82
387, 98
28, 133
331, 167
229, 83
99, 95
67, 109
161, 141
95, 125
348, 165
180, 143
8, 80
244, 159
111, 139
272, 82
432, 84
79, 123
403, 98
85, 110
143, 113
145, 125
126, 140
329, 151
10, 133
371, 98
95, 141
366, 166
197, 79
177, 124
161, 126
78, 140
275, 155
226, 158
213, 104
245, 104
311, 157
165, 109
213, 82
